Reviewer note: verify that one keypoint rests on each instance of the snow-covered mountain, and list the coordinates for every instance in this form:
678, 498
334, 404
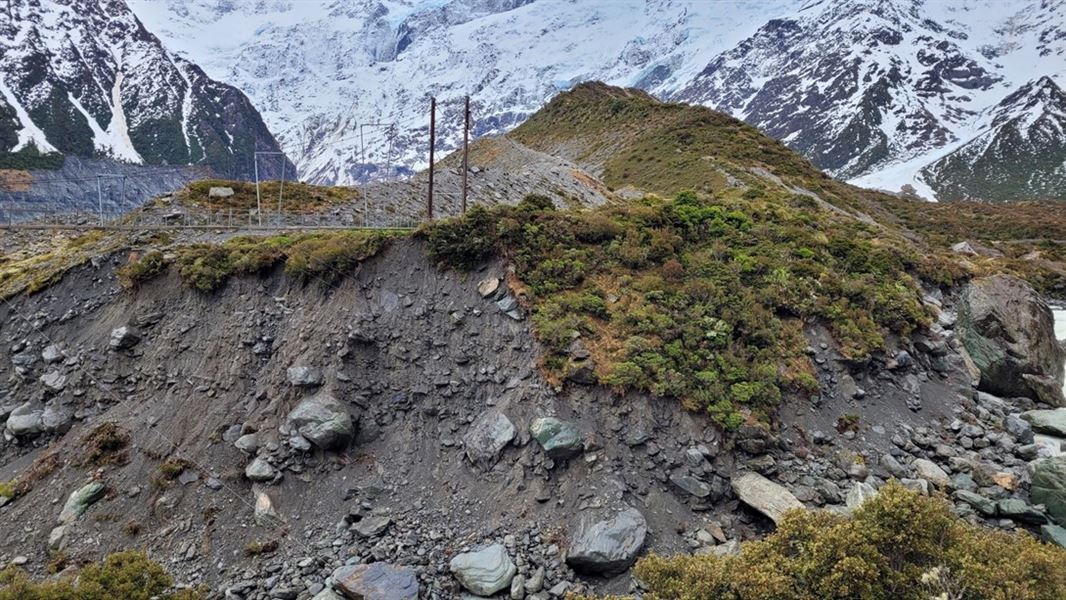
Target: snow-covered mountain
1020, 150
85, 78
865, 87
319, 70
873, 90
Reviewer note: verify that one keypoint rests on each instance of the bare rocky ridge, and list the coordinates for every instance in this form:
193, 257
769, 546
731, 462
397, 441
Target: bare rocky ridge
437, 378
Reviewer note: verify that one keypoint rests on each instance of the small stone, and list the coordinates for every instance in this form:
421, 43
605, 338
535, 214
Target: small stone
559, 439
371, 526
609, 545
931, 472
488, 287
259, 470
323, 420
487, 437
765, 496
304, 376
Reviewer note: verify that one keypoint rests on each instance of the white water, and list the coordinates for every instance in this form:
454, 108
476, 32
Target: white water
1060, 326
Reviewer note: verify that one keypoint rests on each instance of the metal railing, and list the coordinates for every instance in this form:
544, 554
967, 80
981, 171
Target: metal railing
56, 216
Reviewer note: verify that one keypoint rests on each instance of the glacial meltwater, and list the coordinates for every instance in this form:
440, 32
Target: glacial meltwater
1060, 324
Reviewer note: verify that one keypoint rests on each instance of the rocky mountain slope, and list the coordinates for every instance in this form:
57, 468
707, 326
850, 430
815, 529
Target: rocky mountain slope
87, 79
872, 92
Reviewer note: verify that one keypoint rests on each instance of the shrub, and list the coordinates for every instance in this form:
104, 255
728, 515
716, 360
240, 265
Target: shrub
126, 575
142, 269
105, 444
900, 545
206, 267
462, 242
331, 257
255, 548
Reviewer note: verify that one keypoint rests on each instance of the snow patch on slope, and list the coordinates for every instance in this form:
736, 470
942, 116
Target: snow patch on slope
119, 133
30, 133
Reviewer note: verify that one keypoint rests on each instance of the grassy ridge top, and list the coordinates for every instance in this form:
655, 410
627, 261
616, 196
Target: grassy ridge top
630, 138
297, 197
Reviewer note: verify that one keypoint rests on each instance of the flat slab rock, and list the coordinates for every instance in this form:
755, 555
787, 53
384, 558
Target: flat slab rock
376, 581
765, 496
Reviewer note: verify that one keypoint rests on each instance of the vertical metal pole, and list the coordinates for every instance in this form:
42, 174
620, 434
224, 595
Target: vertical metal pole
432, 143
281, 187
388, 156
258, 200
362, 161
466, 144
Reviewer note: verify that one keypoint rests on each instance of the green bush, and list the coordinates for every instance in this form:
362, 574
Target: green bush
718, 289
462, 242
123, 575
307, 256
143, 269
898, 546
330, 257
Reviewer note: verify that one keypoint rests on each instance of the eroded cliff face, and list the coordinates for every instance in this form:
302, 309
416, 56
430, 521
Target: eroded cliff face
438, 377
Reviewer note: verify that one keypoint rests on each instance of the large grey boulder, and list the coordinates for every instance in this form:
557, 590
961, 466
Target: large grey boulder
376, 581
124, 338
1050, 422
607, 546
323, 420
931, 472
487, 437
559, 439
26, 420
54, 381
765, 496
485, 571
52, 354
1008, 331
1048, 487
80, 500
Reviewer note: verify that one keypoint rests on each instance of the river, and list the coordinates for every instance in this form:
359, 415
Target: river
1060, 325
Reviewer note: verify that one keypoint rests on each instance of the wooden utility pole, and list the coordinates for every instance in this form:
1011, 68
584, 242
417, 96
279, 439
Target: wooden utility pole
432, 143
466, 145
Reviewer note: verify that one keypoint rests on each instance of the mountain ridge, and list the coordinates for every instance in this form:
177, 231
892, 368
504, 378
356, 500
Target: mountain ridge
513, 56
88, 79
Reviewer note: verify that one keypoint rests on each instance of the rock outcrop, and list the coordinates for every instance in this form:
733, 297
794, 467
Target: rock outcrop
1008, 330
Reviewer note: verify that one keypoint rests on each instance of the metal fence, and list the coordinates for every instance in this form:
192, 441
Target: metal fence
51, 216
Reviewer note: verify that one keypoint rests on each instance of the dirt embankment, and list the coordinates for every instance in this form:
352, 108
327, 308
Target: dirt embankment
421, 361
